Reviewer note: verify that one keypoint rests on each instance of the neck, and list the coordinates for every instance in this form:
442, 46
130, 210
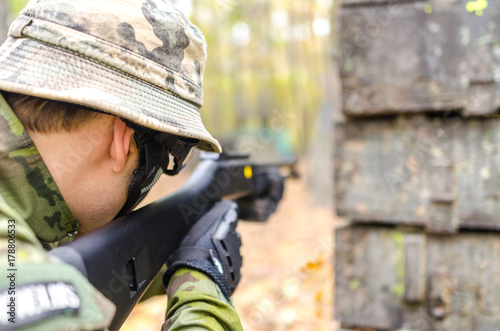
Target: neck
27, 185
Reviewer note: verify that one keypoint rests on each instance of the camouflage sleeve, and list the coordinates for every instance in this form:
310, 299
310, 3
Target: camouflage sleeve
197, 303
36, 291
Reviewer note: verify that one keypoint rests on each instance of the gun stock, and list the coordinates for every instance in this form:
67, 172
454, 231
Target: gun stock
122, 258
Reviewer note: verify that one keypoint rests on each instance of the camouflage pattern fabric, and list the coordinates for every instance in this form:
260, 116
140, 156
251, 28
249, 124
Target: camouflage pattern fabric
142, 60
32, 210
31, 277
26, 184
197, 303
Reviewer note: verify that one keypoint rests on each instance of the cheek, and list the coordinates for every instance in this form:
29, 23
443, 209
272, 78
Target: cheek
99, 205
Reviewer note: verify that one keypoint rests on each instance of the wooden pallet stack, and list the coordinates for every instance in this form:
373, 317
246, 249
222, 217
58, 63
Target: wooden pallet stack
417, 166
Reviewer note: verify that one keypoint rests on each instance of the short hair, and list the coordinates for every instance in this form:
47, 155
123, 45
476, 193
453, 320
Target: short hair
47, 116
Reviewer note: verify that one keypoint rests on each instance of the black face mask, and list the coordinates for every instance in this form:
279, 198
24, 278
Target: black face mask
160, 153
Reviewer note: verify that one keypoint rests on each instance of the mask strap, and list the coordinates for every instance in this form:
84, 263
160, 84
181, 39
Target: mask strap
152, 156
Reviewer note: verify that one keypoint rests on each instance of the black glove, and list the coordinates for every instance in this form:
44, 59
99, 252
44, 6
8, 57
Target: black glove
261, 207
212, 246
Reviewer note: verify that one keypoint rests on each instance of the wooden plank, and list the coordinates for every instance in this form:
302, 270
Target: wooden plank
419, 56
462, 271
442, 172
402, 59
366, 278
482, 37
414, 269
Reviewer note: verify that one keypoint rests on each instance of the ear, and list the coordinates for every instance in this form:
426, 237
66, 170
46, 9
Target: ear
121, 145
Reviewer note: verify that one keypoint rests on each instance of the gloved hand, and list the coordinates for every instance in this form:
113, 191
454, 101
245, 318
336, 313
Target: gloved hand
261, 207
212, 246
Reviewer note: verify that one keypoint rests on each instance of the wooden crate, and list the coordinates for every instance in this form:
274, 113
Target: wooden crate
394, 279
442, 173
417, 166
419, 56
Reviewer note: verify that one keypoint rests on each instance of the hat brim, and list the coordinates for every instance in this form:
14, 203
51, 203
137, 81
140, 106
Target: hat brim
33, 68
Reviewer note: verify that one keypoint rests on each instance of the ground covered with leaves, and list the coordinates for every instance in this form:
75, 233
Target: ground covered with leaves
287, 281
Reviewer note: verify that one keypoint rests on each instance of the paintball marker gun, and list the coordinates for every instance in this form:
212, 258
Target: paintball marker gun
122, 258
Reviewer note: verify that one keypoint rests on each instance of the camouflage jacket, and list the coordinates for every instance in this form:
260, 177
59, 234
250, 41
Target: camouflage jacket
41, 293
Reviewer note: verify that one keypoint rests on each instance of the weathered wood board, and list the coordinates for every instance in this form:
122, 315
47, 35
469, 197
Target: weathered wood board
417, 166
440, 172
419, 56
393, 279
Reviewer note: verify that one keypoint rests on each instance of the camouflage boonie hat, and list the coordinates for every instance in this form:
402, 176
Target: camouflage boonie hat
142, 60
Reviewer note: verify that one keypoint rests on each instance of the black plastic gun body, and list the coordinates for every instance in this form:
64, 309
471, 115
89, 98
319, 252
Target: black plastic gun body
122, 258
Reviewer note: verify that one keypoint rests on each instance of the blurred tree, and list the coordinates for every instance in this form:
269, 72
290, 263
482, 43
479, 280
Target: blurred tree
15, 7
267, 67
9, 9
3, 20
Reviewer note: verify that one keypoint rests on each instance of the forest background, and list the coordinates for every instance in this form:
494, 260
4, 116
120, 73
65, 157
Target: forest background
268, 66
271, 90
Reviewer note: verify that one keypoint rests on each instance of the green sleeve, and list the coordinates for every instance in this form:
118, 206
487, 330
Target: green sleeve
39, 292
197, 303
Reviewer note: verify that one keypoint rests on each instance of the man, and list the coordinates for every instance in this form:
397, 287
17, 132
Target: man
99, 98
